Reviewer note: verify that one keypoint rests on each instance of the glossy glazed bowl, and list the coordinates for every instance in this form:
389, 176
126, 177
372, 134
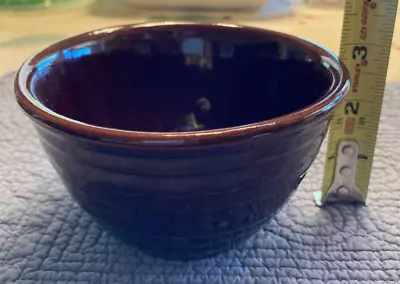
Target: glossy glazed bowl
182, 138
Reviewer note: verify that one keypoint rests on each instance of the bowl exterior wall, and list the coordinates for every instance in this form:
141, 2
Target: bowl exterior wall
189, 202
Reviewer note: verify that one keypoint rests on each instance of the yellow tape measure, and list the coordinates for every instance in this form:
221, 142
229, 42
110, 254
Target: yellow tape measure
367, 34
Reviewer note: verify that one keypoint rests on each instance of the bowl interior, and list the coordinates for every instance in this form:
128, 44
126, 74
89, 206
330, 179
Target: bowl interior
179, 78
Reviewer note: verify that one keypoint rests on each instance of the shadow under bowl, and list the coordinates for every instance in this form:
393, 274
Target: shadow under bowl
182, 138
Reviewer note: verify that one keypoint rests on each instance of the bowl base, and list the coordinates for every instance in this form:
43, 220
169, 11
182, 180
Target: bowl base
187, 249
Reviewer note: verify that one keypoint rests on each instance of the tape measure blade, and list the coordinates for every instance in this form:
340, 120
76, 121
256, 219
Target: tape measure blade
366, 41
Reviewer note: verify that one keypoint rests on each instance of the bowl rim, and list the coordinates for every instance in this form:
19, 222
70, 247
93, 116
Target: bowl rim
43, 115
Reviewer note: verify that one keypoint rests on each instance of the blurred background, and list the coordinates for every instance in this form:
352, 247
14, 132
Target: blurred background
28, 25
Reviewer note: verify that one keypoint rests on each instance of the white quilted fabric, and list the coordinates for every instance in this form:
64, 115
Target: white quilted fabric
46, 238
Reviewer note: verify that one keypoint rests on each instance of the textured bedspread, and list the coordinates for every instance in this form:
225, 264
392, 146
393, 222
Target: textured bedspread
46, 238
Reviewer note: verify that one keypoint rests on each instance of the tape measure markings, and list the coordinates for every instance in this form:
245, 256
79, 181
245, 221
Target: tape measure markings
366, 42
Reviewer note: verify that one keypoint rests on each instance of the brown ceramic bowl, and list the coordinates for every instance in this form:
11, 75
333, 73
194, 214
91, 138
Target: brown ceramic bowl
182, 138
